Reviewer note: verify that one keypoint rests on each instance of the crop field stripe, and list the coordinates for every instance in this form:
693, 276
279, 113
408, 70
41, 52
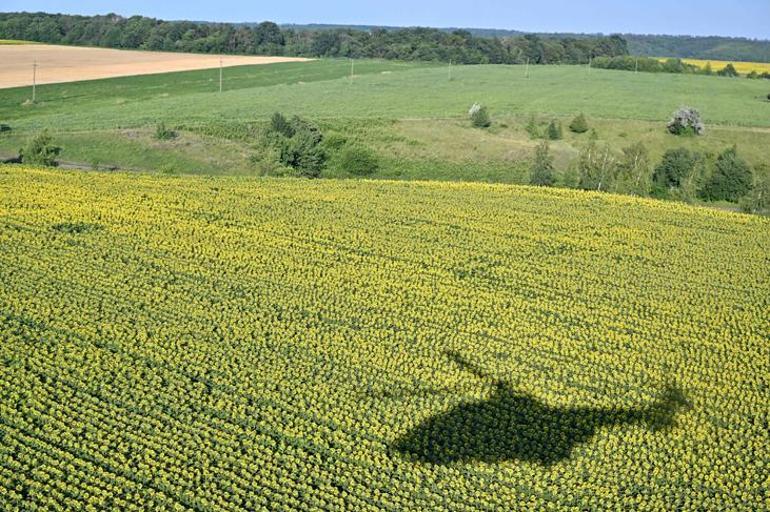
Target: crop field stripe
236, 359
336, 298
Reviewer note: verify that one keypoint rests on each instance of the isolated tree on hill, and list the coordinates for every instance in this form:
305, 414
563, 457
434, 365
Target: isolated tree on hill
541, 173
731, 178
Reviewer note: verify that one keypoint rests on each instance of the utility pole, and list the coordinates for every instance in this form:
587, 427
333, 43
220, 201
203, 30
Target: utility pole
352, 69
450, 70
34, 81
636, 65
590, 60
220, 74
526, 70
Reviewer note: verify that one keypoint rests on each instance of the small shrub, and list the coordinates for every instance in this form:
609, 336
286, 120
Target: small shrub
728, 71
541, 172
532, 128
686, 121
579, 124
731, 178
479, 116
554, 131
768, 96
358, 161
4, 128
753, 75
164, 133
40, 150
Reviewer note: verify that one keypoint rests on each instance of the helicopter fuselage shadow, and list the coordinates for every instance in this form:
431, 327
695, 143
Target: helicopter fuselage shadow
510, 425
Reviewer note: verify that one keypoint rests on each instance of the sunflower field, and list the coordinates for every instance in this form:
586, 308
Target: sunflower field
225, 344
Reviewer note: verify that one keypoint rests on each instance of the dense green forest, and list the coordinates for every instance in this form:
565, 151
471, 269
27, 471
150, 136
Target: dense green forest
425, 44
693, 47
707, 48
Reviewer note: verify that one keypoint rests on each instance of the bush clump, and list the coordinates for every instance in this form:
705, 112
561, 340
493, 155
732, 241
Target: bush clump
675, 166
358, 160
479, 116
162, 132
633, 173
728, 71
758, 199
4, 128
279, 124
298, 145
731, 178
686, 121
40, 150
579, 124
596, 167
334, 141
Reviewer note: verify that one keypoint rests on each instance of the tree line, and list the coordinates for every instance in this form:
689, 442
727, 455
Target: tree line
267, 38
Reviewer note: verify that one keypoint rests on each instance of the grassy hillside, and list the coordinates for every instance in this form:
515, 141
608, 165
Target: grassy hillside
230, 343
411, 115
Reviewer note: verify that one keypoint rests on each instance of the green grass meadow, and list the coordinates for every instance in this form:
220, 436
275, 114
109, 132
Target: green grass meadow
412, 115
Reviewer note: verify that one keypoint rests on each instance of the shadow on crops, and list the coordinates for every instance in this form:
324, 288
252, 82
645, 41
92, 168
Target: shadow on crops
510, 425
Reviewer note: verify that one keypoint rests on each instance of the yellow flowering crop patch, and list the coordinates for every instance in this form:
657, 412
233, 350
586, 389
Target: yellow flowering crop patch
15, 41
223, 344
744, 68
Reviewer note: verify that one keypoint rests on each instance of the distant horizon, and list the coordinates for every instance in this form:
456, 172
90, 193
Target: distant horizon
363, 26
499, 29
706, 18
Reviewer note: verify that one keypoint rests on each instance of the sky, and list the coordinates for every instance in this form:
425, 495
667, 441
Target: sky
743, 18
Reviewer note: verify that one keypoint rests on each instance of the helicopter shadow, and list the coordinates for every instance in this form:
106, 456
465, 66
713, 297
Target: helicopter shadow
510, 425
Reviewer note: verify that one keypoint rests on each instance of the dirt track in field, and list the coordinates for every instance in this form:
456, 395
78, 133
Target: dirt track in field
58, 64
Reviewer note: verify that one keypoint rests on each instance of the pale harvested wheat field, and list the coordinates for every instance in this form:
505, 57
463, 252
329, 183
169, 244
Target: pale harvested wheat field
57, 64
